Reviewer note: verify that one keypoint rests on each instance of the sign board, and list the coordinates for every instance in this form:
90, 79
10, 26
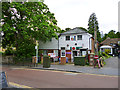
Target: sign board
51, 55
35, 47
3, 77
96, 57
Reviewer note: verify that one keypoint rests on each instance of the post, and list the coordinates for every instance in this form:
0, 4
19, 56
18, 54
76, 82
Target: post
95, 40
36, 51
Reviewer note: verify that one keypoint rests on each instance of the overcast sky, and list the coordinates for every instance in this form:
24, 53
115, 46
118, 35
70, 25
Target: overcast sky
75, 13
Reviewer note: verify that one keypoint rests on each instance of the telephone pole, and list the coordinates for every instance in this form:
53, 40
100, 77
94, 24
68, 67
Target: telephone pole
95, 40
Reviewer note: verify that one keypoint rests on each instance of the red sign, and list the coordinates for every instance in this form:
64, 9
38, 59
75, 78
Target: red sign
73, 48
96, 57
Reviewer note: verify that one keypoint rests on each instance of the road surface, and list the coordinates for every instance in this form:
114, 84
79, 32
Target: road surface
34, 78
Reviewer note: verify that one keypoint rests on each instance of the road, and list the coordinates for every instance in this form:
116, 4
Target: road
57, 79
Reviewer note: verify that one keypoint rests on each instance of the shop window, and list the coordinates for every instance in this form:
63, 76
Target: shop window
67, 38
79, 37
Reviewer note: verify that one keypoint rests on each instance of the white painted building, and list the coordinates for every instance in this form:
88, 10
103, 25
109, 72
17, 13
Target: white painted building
74, 42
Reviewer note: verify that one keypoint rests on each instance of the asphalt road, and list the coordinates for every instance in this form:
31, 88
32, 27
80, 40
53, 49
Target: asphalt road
57, 79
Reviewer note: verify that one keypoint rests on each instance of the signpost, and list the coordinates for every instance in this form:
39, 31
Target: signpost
3, 77
36, 47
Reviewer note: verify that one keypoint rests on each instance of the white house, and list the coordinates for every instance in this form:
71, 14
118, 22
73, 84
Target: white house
74, 42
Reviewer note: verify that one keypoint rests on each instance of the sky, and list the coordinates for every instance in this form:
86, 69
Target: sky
76, 13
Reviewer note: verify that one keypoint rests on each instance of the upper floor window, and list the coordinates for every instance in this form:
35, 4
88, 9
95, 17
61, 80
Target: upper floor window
67, 38
79, 37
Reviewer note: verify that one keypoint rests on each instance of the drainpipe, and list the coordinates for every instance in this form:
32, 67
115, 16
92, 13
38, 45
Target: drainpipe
89, 43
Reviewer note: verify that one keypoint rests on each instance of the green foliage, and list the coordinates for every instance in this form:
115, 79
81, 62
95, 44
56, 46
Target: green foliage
100, 54
111, 34
79, 61
46, 61
92, 25
67, 29
106, 55
107, 51
26, 49
25, 22
9, 51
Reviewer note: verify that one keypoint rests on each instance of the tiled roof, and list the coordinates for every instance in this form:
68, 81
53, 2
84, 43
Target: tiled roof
110, 40
74, 31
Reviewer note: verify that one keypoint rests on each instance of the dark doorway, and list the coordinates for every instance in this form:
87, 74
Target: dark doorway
74, 53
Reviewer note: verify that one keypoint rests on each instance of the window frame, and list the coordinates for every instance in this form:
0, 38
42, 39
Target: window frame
79, 38
67, 38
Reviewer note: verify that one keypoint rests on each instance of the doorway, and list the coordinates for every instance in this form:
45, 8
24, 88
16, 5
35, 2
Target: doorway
74, 53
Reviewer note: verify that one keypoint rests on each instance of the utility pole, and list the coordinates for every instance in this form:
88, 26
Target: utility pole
95, 40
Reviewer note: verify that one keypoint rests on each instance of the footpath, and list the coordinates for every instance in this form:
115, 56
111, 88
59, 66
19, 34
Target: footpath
111, 68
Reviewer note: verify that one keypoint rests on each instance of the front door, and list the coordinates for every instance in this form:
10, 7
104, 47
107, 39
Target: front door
74, 53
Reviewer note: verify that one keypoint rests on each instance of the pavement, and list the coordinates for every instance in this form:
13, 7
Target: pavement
111, 68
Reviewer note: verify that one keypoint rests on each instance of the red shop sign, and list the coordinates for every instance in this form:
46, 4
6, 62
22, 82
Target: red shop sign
73, 48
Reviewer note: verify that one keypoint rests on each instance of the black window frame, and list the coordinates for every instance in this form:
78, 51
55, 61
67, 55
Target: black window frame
78, 37
67, 38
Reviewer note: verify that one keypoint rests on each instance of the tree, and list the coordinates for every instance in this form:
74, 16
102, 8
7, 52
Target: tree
92, 25
25, 22
83, 28
118, 35
104, 37
112, 34
67, 29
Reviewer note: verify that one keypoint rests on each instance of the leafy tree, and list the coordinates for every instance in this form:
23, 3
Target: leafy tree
118, 35
112, 34
104, 37
25, 22
67, 29
92, 25
83, 28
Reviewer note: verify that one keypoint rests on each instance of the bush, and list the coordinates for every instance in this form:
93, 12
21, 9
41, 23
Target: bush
79, 61
46, 61
9, 51
107, 51
100, 54
106, 55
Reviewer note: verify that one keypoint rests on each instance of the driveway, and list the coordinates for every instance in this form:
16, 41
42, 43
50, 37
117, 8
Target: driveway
112, 62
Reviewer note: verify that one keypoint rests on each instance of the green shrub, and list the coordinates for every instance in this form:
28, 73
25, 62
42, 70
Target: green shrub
100, 54
9, 51
107, 51
79, 61
46, 61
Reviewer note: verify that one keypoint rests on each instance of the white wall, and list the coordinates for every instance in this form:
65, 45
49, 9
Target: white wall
49, 44
80, 43
63, 43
